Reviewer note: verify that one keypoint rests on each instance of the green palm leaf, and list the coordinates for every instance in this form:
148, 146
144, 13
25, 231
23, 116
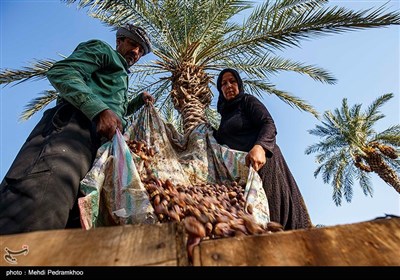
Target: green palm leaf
207, 34
38, 104
348, 140
36, 71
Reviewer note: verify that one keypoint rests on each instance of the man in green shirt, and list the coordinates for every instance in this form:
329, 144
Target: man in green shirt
41, 188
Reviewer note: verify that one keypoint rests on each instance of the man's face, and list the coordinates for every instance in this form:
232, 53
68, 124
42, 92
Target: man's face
130, 50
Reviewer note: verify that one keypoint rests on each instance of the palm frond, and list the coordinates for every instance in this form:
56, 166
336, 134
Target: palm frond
158, 88
325, 148
39, 103
269, 28
348, 180
365, 183
217, 15
260, 88
282, 29
373, 110
390, 136
36, 71
327, 129
262, 66
330, 167
171, 116
339, 182
115, 13
213, 117
299, 6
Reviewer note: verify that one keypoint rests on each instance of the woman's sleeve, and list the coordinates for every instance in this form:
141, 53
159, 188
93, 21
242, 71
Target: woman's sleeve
259, 115
69, 76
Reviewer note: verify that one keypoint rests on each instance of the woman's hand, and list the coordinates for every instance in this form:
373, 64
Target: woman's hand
256, 157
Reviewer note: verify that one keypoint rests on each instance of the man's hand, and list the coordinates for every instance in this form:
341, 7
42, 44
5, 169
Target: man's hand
256, 157
107, 124
147, 98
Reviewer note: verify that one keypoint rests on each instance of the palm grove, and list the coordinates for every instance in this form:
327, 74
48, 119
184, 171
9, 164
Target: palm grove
194, 40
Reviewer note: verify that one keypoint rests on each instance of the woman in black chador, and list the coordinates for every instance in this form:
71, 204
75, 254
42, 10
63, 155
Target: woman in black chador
246, 125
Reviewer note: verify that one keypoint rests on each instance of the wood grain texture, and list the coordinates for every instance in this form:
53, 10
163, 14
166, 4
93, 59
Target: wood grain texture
373, 243
129, 245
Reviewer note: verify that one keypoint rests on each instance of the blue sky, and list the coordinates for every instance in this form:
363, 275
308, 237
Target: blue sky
366, 64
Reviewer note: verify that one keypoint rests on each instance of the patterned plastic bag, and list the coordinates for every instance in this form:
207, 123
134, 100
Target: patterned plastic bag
114, 193
256, 198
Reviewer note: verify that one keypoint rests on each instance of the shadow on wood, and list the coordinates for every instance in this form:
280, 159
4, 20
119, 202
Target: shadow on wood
373, 243
130, 245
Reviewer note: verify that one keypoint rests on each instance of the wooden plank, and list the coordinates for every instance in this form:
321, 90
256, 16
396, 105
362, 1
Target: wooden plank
130, 245
141, 246
373, 243
181, 241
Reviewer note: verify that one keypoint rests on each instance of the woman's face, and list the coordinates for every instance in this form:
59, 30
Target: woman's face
229, 86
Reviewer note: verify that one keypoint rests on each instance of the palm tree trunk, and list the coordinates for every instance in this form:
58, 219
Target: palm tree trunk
193, 114
377, 164
191, 95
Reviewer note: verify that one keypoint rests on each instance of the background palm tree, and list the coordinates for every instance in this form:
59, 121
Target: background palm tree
350, 149
194, 40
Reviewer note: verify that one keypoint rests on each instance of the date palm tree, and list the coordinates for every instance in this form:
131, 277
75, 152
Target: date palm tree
194, 40
350, 149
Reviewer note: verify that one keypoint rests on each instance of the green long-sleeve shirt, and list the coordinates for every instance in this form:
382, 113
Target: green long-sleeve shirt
95, 78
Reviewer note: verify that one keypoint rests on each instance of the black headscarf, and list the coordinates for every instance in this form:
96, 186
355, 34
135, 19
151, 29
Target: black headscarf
224, 104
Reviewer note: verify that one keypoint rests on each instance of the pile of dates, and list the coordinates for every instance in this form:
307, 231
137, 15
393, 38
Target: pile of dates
208, 211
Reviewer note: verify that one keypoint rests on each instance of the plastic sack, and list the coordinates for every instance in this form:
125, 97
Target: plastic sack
150, 129
256, 198
114, 193
196, 159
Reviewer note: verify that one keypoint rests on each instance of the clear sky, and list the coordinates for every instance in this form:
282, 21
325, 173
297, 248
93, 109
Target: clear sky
366, 64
